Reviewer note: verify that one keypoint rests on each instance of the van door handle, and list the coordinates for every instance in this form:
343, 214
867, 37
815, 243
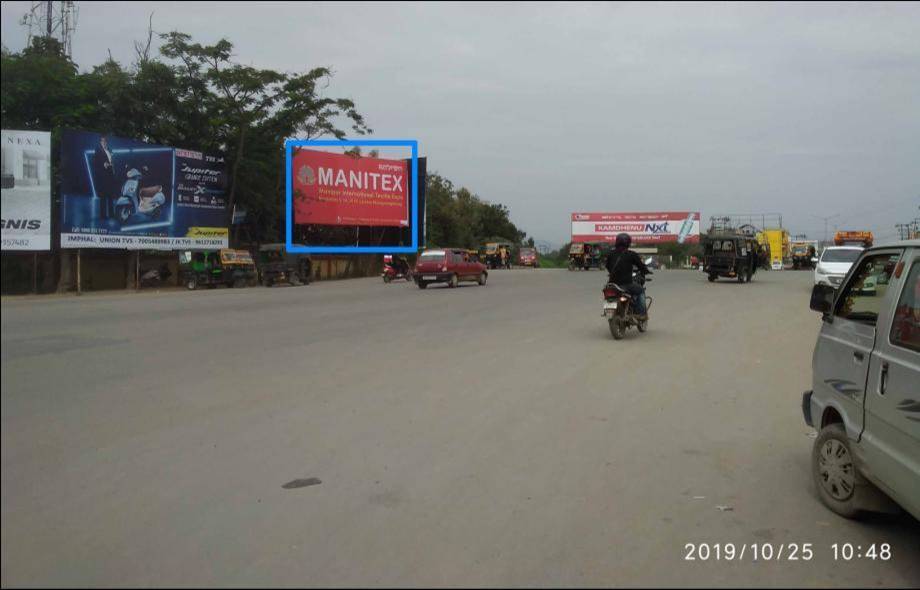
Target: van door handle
883, 379
859, 356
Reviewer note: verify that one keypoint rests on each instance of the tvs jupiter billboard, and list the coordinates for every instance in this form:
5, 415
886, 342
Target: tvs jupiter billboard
335, 189
125, 194
644, 227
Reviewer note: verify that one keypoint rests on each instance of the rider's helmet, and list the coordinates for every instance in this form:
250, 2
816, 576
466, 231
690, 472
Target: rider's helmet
623, 241
387, 258
133, 173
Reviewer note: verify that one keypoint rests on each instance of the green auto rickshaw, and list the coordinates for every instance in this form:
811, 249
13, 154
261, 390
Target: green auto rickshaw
233, 268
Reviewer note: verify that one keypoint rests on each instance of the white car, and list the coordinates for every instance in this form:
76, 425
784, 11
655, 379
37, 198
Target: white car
834, 264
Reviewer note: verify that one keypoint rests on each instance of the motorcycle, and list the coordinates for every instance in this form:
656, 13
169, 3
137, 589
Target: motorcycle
396, 269
148, 201
155, 276
619, 308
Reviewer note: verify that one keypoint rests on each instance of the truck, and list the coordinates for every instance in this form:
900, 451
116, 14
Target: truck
803, 253
776, 241
853, 238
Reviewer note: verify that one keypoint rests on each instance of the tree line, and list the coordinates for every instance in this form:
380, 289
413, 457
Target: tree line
201, 97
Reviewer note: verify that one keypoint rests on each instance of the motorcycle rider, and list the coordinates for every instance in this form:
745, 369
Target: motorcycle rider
620, 263
399, 264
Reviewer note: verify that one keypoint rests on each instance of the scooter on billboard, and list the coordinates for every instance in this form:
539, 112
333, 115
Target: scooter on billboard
148, 201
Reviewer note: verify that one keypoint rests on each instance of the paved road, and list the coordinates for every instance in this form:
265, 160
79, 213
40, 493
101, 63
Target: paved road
489, 436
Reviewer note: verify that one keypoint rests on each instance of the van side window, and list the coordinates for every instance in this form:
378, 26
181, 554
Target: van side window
905, 328
862, 296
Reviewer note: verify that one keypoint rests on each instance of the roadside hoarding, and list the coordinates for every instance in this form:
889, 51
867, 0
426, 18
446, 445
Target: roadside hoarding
125, 194
26, 191
643, 227
341, 190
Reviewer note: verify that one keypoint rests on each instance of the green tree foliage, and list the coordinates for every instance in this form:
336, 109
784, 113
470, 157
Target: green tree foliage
458, 218
192, 96
200, 97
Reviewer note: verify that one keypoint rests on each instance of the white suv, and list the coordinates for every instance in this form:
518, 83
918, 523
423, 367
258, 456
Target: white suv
835, 263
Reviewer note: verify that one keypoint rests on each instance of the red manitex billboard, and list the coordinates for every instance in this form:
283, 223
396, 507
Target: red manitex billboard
645, 227
335, 189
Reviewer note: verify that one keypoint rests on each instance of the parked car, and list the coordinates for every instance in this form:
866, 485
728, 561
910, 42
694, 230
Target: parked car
277, 265
835, 263
529, 257
448, 265
865, 396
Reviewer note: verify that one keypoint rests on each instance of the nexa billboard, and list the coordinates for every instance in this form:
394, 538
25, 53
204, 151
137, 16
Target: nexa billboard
644, 227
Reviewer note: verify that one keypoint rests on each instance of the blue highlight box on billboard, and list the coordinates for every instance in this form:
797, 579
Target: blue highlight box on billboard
289, 146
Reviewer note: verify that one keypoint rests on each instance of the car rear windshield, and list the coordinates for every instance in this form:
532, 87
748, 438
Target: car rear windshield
847, 255
434, 256
527, 251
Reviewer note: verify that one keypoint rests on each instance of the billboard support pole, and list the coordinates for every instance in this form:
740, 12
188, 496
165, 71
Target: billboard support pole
137, 270
79, 281
35, 272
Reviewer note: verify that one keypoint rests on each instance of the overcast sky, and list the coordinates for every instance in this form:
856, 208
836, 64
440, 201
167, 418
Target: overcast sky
804, 110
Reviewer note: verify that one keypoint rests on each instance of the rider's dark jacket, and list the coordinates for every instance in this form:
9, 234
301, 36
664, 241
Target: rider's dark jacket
620, 264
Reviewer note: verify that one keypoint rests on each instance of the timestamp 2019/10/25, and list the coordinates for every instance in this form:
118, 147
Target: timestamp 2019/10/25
782, 551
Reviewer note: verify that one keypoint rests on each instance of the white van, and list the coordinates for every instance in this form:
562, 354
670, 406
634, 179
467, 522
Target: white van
865, 397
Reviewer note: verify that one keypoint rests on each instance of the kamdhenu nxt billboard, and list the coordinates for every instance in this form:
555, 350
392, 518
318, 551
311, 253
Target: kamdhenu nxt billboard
644, 227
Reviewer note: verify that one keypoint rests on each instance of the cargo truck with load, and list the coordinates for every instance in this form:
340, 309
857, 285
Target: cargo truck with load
853, 238
776, 241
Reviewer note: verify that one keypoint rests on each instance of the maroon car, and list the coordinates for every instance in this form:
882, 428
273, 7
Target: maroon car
528, 257
448, 265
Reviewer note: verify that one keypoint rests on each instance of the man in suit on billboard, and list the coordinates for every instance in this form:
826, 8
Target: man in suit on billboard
104, 177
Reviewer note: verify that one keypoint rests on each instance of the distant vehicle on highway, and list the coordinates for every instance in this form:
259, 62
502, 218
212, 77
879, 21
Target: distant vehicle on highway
448, 265
529, 257
865, 374
835, 263
731, 254
586, 255
277, 265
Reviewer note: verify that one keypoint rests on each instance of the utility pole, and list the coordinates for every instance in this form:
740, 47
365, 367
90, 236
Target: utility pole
826, 219
50, 18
